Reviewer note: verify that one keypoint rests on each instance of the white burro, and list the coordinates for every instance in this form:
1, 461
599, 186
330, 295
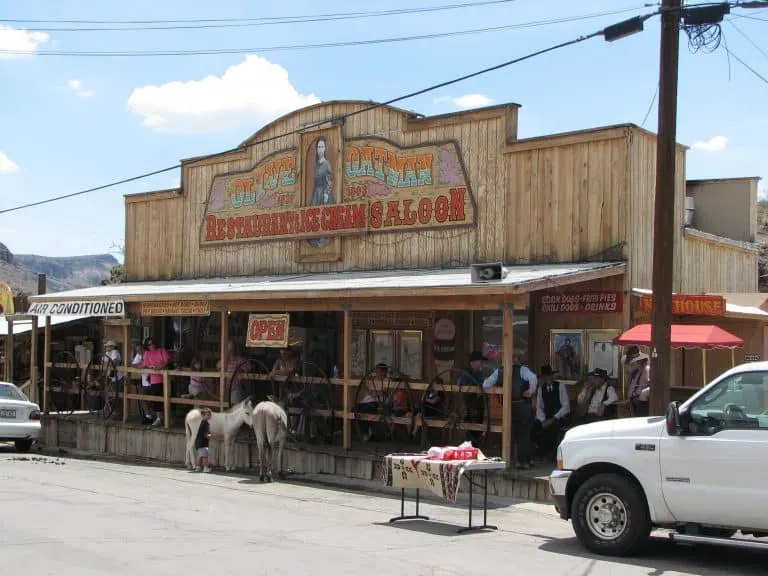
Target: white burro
699, 473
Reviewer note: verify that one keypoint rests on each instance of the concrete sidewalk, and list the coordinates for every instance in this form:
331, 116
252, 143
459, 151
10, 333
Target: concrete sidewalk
326, 480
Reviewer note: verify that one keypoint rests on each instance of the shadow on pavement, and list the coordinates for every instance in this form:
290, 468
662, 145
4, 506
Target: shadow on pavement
663, 557
433, 527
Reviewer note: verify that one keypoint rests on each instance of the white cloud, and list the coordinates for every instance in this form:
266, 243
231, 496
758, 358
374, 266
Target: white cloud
77, 87
472, 101
253, 92
466, 101
714, 144
7, 166
15, 40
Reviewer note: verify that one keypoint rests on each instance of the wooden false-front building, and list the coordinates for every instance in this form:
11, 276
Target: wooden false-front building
349, 231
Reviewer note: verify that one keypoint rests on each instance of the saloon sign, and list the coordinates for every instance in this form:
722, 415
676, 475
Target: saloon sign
384, 188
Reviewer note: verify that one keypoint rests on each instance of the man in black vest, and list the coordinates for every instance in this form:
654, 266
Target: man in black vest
553, 409
524, 384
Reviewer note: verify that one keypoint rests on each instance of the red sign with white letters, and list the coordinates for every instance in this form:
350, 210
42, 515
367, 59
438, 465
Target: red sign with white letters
581, 303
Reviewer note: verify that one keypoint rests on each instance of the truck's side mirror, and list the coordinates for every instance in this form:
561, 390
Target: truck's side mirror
673, 419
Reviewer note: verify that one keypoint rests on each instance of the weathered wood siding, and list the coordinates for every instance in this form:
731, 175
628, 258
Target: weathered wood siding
709, 265
153, 234
481, 137
545, 322
566, 197
641, 208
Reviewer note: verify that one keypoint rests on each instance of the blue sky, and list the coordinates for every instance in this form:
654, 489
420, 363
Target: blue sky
69, 123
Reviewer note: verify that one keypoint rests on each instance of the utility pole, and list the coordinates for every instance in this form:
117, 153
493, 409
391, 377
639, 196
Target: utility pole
664, 215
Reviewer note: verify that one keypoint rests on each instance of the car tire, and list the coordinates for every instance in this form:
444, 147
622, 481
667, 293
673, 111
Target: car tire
24, 445
610, 515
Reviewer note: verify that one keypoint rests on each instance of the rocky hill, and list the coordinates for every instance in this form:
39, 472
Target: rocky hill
21, 270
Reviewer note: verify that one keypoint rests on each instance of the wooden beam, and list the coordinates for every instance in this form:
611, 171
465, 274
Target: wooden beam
126, 363
166, 400
223, 359
46, 363
508, 354
33, 362
347, 423
9, 351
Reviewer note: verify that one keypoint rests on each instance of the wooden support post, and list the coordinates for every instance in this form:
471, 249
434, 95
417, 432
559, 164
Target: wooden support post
347, 423
46, 363
507, 360
166, 400
224, 359
664, 222
33, 358
126, 363
9, 352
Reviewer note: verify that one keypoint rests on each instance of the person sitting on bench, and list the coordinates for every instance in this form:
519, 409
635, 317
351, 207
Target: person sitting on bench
598, 398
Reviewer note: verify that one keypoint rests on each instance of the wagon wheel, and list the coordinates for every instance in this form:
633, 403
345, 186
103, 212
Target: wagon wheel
308, 398
384, 408
461, 413
255, 388
103, 379
67, 386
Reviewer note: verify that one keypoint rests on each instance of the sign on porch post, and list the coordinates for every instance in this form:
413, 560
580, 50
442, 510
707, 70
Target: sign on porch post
267, 331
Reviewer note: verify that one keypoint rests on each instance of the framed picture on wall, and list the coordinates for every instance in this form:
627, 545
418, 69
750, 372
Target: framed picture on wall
382, 348
410, 354
603, 353
359, 352
567, 354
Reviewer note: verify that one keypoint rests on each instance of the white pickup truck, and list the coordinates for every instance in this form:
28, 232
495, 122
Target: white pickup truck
702, 471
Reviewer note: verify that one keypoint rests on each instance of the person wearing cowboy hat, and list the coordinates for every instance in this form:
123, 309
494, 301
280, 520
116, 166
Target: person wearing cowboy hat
639, 389
553, 407
598, 398
471, 377
524, 389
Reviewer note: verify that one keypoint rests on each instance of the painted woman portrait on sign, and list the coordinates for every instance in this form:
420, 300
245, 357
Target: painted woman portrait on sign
320, 180
322, 192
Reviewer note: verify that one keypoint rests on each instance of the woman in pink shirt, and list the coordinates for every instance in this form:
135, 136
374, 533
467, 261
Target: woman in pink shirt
158, 359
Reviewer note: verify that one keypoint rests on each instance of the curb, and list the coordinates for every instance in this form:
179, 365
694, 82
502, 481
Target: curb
324, 480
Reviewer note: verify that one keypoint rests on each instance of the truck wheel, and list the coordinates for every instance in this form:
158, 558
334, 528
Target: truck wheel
610, 516
24, 445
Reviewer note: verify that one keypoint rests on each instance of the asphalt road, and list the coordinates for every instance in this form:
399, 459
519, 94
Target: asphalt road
69, 517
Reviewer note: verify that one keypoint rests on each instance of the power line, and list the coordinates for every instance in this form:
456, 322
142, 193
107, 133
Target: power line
747, 66
165, 25
268, 19
745, 35
330, 120
650, 106
221, 51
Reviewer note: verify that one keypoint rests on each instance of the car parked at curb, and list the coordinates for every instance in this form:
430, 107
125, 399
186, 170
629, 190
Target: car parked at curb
20, 419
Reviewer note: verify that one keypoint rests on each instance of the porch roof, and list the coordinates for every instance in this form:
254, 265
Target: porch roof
381, 283
23, 326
